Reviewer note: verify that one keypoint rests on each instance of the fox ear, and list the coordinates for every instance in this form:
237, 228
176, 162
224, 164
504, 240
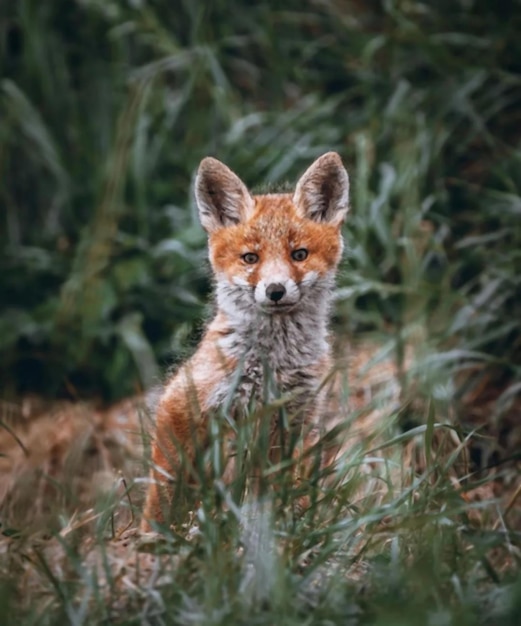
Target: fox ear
322, 193
222, 197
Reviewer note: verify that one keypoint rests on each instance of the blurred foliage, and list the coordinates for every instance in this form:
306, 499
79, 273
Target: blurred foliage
107, 106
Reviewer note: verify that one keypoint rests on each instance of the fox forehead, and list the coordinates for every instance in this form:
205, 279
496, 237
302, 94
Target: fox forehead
275, 222
274, 217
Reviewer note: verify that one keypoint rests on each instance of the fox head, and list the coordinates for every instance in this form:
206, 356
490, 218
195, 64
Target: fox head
274, 253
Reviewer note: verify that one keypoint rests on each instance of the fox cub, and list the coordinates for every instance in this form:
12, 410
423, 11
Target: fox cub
274, 259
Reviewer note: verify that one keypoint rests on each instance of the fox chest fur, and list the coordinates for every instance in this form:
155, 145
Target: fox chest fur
274, 259
271, 358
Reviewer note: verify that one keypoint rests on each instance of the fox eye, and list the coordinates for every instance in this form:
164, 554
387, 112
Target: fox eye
299, 255
250, 258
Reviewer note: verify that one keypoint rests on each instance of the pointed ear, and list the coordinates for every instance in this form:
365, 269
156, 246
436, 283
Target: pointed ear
222, 197
322, 193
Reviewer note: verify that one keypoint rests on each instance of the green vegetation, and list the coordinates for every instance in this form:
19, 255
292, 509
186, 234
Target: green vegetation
106, 108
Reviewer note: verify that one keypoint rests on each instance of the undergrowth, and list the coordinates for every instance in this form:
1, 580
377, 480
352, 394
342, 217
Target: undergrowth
393, 534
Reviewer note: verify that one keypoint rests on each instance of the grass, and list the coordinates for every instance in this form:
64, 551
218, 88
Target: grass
400, 531
106, 109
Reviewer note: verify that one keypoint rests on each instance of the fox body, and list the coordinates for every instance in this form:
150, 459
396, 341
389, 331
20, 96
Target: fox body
274, 259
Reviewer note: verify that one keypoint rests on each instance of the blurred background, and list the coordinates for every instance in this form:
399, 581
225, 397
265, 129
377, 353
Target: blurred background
107, 107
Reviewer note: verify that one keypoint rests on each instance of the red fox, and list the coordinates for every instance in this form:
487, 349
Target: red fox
274, 259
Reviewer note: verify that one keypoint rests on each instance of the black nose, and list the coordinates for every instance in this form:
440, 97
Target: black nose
275, 291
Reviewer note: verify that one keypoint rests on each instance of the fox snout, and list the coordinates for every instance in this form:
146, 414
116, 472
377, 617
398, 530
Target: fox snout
275, 291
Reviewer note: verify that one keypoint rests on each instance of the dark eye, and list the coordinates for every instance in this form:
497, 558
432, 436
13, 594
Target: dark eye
300, 254
250, 258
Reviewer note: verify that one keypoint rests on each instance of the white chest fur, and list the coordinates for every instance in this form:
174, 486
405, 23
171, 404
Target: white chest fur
277, 355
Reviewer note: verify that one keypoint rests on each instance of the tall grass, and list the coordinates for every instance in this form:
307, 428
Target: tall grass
391, 536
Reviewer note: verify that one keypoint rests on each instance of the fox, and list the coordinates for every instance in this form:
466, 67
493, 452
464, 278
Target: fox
274, 259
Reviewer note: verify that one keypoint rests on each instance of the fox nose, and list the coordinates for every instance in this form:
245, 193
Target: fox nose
275, 291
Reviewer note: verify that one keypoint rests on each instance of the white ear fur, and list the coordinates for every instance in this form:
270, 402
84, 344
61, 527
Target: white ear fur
222, 197
322, 193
